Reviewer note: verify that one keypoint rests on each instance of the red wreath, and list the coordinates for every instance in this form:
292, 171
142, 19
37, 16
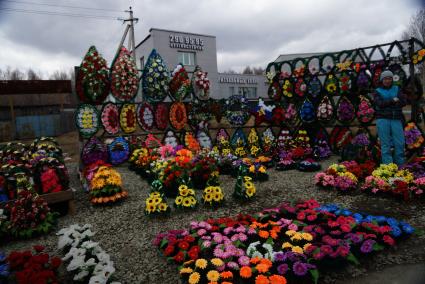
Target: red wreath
161, 116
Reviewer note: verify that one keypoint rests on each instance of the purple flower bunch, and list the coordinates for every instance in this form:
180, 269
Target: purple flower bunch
294, 262
346, 111
361, 139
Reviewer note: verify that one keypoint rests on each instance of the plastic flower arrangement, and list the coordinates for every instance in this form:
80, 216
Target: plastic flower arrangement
336, 177
254, 143
287, 88
145, 116
118, 151
213, 195
268, 142
365, 112
178, 115
124, 76
314, 87
237, 110
385, 171
418, 56
201, 84
331, 85
191, 142
363, 78
87, 120
180, 85
307, 111
244, 187
202, 168
263, 112
325, 110
106, 186
345, 110
29, 216
110, 118
87, 261
300, 87
186, 198
155, 78
344, 82
128, 118
413, 136
92, 82
256, 170
156, 204
37, 267
161, 116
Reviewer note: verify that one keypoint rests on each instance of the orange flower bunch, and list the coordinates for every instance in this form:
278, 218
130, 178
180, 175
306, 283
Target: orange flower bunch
267, 230
183, 157
178, 115
191, 143
106, 186
262, 266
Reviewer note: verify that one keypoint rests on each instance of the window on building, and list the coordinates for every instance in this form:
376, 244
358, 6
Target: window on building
187, 58
142, 62
248, 92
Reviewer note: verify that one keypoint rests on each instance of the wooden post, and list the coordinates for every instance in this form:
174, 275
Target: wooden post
12, 115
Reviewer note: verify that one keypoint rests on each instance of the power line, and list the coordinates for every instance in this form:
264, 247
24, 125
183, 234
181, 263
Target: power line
60, 6
88, 16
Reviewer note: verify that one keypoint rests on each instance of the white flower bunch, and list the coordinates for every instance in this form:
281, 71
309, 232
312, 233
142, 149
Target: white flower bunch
252, 251
86, 258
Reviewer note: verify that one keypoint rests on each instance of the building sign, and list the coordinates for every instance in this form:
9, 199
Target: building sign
237, 80
186, 42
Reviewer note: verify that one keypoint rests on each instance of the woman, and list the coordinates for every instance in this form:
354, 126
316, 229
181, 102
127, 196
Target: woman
389, 102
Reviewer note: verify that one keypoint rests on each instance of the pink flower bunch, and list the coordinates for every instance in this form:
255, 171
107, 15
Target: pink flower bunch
375, 184
290, 112
325, 180
344, 183
365, 111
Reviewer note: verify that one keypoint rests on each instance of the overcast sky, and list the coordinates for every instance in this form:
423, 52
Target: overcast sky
249, 32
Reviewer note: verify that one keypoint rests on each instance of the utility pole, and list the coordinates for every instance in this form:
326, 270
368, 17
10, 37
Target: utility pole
131, 39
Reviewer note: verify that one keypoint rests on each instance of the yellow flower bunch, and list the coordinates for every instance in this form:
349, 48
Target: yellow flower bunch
105, 176
406, 175
240, 151
87, 118
155, 203
286, 88
295, 249
418, 56
344, 65
254, 150
252, 136
337, 168
226, 151
186, 197
213, 195
385, 171
249, 186
349, 175
215, 150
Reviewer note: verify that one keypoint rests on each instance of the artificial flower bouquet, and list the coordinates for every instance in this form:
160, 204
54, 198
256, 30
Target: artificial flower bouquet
213, 195
285, 164
28, 216
365, 112
85, 259
292, 242
50, 175
124, 76
336, 177
155, 78
226, 163
202, 168
244, 187
256, 169
28, 267
413, 136
201, 84
308, 165
141, 160
359, 148
106, 186
180, 85
186, 198
156, 204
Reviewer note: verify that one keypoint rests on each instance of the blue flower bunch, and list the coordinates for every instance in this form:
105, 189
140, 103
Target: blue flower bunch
118, 151
307, 112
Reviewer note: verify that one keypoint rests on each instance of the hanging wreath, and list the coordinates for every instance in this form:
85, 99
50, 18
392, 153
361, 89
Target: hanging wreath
399, 75
321, 148
314, 87
178, 116
365, 112
325, 110
300, 87
274, 92
170, 138
199, 111
290, 116
345, 83
180, 85
118, 151
345, 110
94, 150
161, 116
87, 120
92, 83
203, 136
128, 118
331, 85
262, 112
110, 118
307, 113
124, 76
287, 88
268, 140
237, 110
222, 135
155, 78
201, 84
145, 116
363, 79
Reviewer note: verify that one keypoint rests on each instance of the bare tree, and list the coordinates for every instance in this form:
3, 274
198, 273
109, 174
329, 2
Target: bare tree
60, 75
258, 70
247, 70
16, 74
33, 75
417, 29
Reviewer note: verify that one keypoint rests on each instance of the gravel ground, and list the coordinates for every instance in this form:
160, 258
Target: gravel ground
126, 233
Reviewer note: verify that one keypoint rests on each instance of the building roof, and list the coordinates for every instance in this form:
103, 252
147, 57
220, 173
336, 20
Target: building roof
10, 87
170, 31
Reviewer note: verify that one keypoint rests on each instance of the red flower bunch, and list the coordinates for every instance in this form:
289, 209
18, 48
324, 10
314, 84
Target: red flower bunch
367, 168
401, 188
181, 248
50, 181
298, 153
29, 214
278, 115
38, 268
